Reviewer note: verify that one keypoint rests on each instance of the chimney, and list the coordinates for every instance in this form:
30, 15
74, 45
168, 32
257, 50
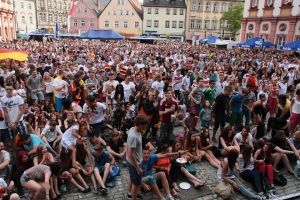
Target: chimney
98, 4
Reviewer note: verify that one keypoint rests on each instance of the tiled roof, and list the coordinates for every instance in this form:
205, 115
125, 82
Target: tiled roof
165, 3
137, 7
91, 4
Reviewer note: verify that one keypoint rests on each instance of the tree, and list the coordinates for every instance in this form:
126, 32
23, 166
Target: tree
233, 17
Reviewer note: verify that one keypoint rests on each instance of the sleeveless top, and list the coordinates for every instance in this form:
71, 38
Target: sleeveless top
251, 80
229, 174
198, 94
296, 106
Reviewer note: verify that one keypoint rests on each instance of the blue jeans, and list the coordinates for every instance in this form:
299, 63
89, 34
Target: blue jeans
247, 114
165, 129
254, 176
243, 189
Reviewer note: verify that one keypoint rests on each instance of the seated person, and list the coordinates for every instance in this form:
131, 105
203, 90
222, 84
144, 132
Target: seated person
127, 124
115, 144
149, 179
4, 160
295, 140
31, 142
227, 142
244, 137
52, 134
7, 190
104, 162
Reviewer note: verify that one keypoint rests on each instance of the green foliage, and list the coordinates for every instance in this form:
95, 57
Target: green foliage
233, 17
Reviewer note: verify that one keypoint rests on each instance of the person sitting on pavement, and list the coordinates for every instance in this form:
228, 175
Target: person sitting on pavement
7, 190
244, 137
52, 134
4, 160
116, 146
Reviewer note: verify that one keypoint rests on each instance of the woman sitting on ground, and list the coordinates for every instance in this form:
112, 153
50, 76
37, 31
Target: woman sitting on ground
226, 142
191, 145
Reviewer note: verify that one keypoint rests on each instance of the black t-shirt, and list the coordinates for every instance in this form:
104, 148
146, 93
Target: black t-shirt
116, 147
139, 86
221, 101
41, 71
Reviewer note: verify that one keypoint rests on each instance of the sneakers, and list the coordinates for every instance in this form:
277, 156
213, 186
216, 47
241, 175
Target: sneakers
139, 197
170, 198
261, 197
271, 195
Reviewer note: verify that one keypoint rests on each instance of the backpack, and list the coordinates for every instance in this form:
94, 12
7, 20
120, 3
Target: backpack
112, 177
279, 179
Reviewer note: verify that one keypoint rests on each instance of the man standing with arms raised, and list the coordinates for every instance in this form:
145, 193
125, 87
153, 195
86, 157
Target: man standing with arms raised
134, 154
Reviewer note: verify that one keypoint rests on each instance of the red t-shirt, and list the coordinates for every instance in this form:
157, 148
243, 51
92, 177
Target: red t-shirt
165, 105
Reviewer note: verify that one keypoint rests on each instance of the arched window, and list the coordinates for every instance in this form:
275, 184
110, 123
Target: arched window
50, 17
59, 5
49, 4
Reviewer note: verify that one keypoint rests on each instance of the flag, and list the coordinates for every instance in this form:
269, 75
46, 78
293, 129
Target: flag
57, 31
70, 13
15, 55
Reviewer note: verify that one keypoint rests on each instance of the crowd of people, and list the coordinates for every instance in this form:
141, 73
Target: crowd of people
71, 92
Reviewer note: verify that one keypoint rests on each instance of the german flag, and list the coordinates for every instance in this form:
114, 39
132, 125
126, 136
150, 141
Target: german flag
15, 55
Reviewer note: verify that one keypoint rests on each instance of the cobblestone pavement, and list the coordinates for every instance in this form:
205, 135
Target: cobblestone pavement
204, 172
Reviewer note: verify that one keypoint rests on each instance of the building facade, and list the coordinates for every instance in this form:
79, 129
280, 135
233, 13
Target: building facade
276, 20
203, 18
7, 21
50, 12
123, 16
164, 18
25, 14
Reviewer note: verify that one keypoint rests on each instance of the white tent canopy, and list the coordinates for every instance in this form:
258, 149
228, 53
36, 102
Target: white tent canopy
220, 42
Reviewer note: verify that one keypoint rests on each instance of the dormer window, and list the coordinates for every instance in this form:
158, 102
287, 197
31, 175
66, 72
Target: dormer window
254, 3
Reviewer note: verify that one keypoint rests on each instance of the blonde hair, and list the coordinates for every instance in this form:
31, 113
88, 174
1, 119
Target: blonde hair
50, 78
157, 76
29, 128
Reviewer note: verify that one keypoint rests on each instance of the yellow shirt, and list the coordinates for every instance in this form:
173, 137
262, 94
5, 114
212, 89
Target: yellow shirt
287, 104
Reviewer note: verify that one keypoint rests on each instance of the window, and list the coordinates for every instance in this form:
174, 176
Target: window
200, 6
167, 24
180, 25
136, 24
269, 2
125, 24
121, 12
216, 5
167, 11
206, 24
22, 6
54, 4
249, 36
230, 5
221, 24
227, 24
30, 20
29, 6
59, 5
281, 41
156, 23
193, 5
85, 10
92, 23
42, 3
149, 23
149, 10
60, 18
78, 10
127, 12
132, 13
223, 8
119, 2
44, 17
156, 10
65, 6
114, 12
50, 17
108, 13
23, 20
40, 17
106, 24
214, 24
122, 2
174, 24
174, 11
75, 23
49, 4
207, 8
181, 12
55, 18
82, 23
116, 24
69, 6
192, 23
199, 24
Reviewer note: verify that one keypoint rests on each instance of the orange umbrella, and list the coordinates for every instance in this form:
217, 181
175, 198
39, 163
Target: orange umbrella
12, 54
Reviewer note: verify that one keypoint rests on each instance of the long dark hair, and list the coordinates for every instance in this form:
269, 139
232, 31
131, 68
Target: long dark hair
260, 130
268, 154
65, 154
203, 137
232, 156
246, 152
175, 141
121, 93
282, 97
80, 153
224, 134
189, 142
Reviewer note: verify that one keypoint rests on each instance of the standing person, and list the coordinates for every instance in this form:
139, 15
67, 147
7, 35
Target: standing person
248, 102
220, 84
34, 84
92, 84
138, 83
264, 91
283, 85
235, 109
185, 89
196, 95
129, 88
60, 89
177, 82
295, 112
218, 111
13, 111
273, 96
209, 93
167, 108
159, 85
134, 154
95, 113
4, 133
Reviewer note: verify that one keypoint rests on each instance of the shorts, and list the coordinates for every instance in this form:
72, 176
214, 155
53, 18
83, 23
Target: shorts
151, 178
67, 143
236, 118
219, 120
49, 95
37, 95
97, 129
4, 136
205, 123
100, 168
20, 128
24, 179
135, 178
295, 119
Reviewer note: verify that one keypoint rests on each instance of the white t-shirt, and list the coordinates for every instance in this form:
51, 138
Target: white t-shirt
140, 66
12, 106
267, 96
160, 87
186, 83
239, 138
127, 90
177, 86
4, 156
3, 184
98, 115
108, 83
49, 87
3, 124
132, 114
51, 135
59, 93
283, 88
113, 97
69, 139
19, 91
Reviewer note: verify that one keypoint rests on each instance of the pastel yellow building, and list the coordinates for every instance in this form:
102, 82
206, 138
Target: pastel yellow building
203, 18
164, 18
123, 16
25, 13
